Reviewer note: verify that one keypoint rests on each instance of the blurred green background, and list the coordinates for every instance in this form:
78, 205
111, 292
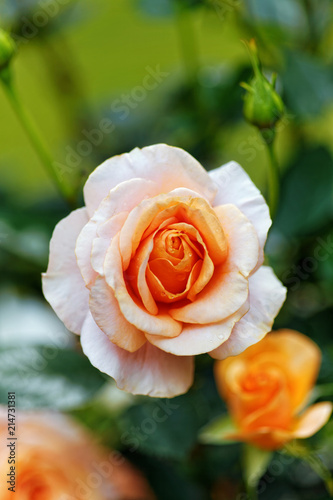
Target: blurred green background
82, 62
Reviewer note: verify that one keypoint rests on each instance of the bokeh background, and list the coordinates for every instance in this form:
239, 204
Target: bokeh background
163, 71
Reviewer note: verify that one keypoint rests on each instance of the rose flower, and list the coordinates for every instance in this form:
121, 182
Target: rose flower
267, 386
164, 262
55, 459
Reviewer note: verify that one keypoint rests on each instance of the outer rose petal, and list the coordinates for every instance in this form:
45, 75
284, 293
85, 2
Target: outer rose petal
107, 315
198, 339
312, 420
63, 285
236, 187
100, 245
148, 371
168, 166
123, 198
243, 245
266, 294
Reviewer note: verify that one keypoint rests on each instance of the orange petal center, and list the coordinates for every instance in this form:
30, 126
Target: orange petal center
177, 253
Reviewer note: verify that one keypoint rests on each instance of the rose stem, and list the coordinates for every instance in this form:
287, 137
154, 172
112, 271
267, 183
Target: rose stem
273, 177
33, 135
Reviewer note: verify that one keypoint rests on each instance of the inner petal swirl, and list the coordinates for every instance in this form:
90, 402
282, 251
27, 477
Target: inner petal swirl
174, 260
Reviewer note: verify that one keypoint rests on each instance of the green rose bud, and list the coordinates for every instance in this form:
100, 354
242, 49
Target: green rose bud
263, 106
7, 49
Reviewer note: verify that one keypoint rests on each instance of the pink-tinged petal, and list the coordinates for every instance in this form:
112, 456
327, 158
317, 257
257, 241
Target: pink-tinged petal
134, 312
83, 252
167, 166
243, 245
63, 286
122, 198
105, 233
236, 187
313, 419
222, 296
266, 294
148, 371
198, 339
106, 313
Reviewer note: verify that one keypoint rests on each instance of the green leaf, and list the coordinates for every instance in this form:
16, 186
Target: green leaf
308, 85
255, 462
306, 189
163, 427
323, 390
47, 377
217, 431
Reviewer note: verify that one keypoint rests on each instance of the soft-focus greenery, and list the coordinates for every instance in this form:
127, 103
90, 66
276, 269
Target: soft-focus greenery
71, 74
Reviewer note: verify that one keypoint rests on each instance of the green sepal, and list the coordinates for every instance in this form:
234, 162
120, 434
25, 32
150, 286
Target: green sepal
217, 431
255, 463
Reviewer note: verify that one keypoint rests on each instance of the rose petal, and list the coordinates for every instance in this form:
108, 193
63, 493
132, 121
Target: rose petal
163, 295
264, 438
168, 166
236, 187
308, 424
243, 245
136, 274
171, 282
160, 324
198, 339
312, 420
207, 268
182, 203
100, 245
300, 359
106, 313
277, 413
267, 295
148, 371
63, 286
122, 198
83, 252
223, 296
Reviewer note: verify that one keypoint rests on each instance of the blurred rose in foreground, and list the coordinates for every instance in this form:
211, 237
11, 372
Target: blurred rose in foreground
57, 460
164, 262
267, 386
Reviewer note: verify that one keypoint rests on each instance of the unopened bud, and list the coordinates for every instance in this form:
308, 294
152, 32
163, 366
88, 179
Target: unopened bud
263, 106
7, 49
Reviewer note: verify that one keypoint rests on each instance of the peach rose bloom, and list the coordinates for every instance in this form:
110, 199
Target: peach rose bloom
164, 262
267, 386
57, 460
